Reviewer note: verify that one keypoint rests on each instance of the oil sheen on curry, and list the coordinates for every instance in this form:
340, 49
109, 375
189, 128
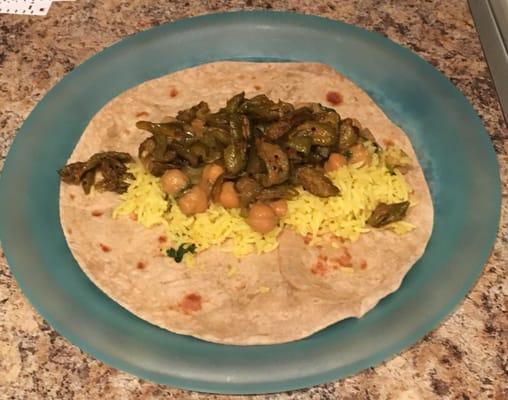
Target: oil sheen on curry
245, 203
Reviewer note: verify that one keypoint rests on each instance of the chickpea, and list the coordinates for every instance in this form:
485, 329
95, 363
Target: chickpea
334, 162
210, 174
174, 181
194, 201
359, 154
228, 196
280, 207
262, 218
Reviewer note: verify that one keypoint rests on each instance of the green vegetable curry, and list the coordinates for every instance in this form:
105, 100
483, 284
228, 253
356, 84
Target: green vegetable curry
262, 150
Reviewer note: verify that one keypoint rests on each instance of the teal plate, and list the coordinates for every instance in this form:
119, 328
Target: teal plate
450, 141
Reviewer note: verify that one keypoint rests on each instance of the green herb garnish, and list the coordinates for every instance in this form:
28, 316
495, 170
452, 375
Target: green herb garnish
183, 249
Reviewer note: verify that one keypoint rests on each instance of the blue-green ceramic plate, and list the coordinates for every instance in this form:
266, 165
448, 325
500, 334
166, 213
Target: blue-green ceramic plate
451, 143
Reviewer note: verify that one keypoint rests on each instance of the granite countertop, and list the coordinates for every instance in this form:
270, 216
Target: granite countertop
465, 358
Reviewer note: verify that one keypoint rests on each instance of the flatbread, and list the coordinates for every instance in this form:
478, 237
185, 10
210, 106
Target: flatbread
125, 261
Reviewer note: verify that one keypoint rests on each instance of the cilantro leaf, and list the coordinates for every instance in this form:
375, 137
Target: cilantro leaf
183, 249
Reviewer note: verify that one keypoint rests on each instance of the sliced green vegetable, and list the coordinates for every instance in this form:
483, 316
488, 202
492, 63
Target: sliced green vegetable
348, 134
385, 214
284, 191
321, 134
247, 188
276, 161
301, 144
111, 164
235, 158
314, 181
235, 102
199, 111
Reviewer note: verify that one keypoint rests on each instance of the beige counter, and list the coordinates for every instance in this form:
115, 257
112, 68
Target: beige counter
462, 359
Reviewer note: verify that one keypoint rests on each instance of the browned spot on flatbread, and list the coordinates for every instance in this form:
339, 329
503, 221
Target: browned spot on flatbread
162, 239
72, 196
334, 98
142, 114
338, 239
257, 87
388, 142
140, 265
104, 248
69, 231
323, 257
190, 303
363, 264
319, 269
133, 216
173, 92
97, 213
307, 239
345, 259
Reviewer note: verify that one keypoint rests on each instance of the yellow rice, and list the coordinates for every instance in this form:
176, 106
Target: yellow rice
361, 187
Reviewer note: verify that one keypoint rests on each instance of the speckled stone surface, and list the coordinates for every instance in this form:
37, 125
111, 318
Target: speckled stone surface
465, 358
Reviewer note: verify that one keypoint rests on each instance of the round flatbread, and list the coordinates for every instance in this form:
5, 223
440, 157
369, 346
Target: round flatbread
271, 298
